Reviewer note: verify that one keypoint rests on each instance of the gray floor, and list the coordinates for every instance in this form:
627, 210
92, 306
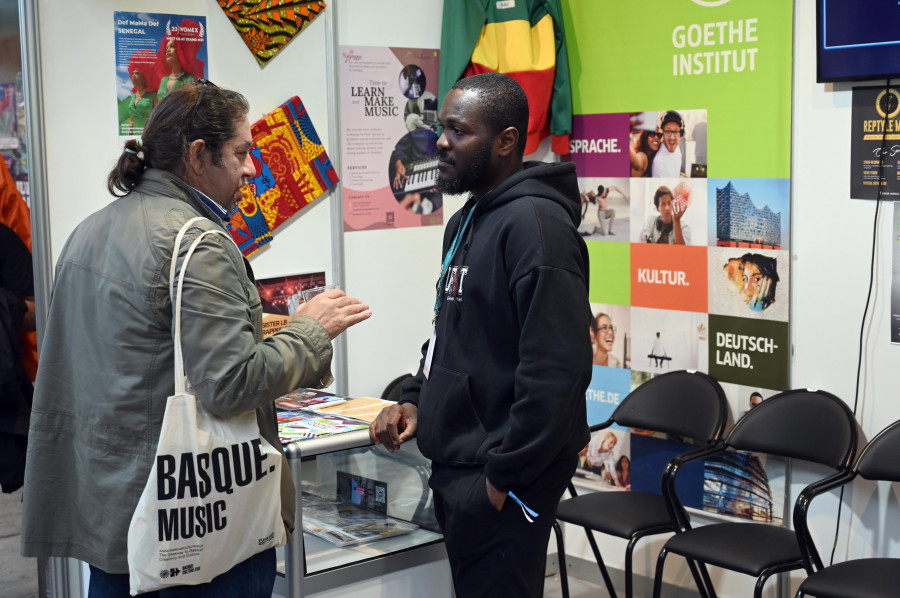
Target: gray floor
18, 575
577, 588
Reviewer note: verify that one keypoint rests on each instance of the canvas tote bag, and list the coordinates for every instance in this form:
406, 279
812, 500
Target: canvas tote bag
213, 496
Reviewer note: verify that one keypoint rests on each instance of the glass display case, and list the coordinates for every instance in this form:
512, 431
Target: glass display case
347, 469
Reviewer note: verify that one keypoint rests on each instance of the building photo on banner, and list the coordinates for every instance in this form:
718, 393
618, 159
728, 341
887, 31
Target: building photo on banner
684, 171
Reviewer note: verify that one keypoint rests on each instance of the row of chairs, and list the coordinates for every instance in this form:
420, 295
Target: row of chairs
811, 425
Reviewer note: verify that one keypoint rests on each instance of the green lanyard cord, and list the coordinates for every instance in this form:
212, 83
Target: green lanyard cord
451, 253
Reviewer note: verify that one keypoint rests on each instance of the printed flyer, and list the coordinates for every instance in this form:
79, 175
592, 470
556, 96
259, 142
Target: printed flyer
389, 137
154, 54
681, 139
875, 143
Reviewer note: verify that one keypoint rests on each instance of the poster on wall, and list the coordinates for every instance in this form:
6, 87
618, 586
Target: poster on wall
875, 143
389, 137
681, 139
154, 54
282, 295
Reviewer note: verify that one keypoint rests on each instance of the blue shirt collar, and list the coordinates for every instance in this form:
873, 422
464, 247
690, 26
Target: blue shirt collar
222, 212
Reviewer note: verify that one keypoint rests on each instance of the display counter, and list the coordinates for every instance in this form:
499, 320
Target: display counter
310, 564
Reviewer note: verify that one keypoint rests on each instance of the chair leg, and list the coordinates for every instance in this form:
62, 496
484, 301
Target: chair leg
629, 567
657, 579
701, 579
757, 591
599, 559
561, 556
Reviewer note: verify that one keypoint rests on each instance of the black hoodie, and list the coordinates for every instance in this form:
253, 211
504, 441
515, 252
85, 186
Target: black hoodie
512, 357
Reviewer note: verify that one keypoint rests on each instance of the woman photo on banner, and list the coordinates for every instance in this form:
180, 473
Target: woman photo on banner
136, 108
176, 61
646, 138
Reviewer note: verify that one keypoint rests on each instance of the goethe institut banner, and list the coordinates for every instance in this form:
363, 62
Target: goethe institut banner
682, 143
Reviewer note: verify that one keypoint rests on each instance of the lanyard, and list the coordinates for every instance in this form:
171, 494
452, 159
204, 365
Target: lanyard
451, 253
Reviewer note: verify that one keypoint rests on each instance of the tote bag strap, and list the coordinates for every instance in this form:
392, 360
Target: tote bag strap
180, 380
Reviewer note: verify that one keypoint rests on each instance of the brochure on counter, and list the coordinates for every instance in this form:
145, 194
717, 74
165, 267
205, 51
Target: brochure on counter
307, 413
345, 524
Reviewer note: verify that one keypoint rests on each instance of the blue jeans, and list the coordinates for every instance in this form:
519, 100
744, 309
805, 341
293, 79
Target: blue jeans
253, 578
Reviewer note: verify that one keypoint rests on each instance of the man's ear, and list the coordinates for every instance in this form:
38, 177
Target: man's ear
196, 153
507, 141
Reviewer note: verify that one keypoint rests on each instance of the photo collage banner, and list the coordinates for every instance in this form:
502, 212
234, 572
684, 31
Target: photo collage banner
681, 138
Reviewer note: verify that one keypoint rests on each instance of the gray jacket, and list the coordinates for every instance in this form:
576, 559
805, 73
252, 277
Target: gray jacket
106, 366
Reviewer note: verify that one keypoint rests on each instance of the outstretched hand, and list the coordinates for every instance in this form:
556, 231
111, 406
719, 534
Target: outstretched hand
335, 311
681, 201
394, 425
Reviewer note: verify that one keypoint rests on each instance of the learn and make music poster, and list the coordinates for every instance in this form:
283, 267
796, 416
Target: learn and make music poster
389, 137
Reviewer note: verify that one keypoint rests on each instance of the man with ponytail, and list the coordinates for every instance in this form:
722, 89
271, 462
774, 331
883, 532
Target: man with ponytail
108, 353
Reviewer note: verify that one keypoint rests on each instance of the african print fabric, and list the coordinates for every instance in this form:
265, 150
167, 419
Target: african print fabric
292, 170
266, 26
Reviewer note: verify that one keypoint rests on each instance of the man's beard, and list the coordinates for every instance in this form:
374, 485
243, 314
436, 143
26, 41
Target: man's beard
467, 180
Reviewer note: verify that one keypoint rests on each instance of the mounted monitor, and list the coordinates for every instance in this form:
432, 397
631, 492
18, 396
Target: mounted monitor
857, 40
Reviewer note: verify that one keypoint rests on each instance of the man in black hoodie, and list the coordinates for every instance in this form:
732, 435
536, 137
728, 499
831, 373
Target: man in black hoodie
498, 403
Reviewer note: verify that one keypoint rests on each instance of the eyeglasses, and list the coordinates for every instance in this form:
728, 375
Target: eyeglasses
202, 83
656, 134
669, 133
606, 328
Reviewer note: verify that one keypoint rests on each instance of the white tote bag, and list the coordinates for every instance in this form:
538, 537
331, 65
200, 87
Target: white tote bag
213, 496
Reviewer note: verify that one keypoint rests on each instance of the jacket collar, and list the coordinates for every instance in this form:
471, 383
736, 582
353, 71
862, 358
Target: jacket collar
161, 182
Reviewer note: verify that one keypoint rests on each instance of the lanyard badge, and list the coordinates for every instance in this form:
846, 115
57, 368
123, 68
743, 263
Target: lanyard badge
439, 287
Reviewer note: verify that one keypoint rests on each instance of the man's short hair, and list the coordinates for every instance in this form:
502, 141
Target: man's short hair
663, 190
503, 103
673, 117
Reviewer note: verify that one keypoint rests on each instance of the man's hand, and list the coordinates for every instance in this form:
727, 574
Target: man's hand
335, 310
496, 497
399, 175
394, 425
679, 206
28, 323
682, 198
410, 199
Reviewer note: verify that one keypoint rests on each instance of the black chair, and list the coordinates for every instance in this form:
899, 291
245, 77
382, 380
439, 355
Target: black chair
863, 578
393, 389
690, 405
811, 425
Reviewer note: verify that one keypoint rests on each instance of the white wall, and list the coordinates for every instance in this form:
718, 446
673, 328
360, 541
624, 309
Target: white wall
80, 112
394, 271
831, 255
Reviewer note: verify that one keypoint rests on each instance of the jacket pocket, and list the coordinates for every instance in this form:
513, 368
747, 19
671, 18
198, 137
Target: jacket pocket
449, 430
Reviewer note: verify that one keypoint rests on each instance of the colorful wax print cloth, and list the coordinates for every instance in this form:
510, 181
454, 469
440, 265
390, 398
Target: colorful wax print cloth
266, 26
292, 169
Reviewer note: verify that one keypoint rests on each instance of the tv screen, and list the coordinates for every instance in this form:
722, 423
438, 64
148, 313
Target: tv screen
858, 39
